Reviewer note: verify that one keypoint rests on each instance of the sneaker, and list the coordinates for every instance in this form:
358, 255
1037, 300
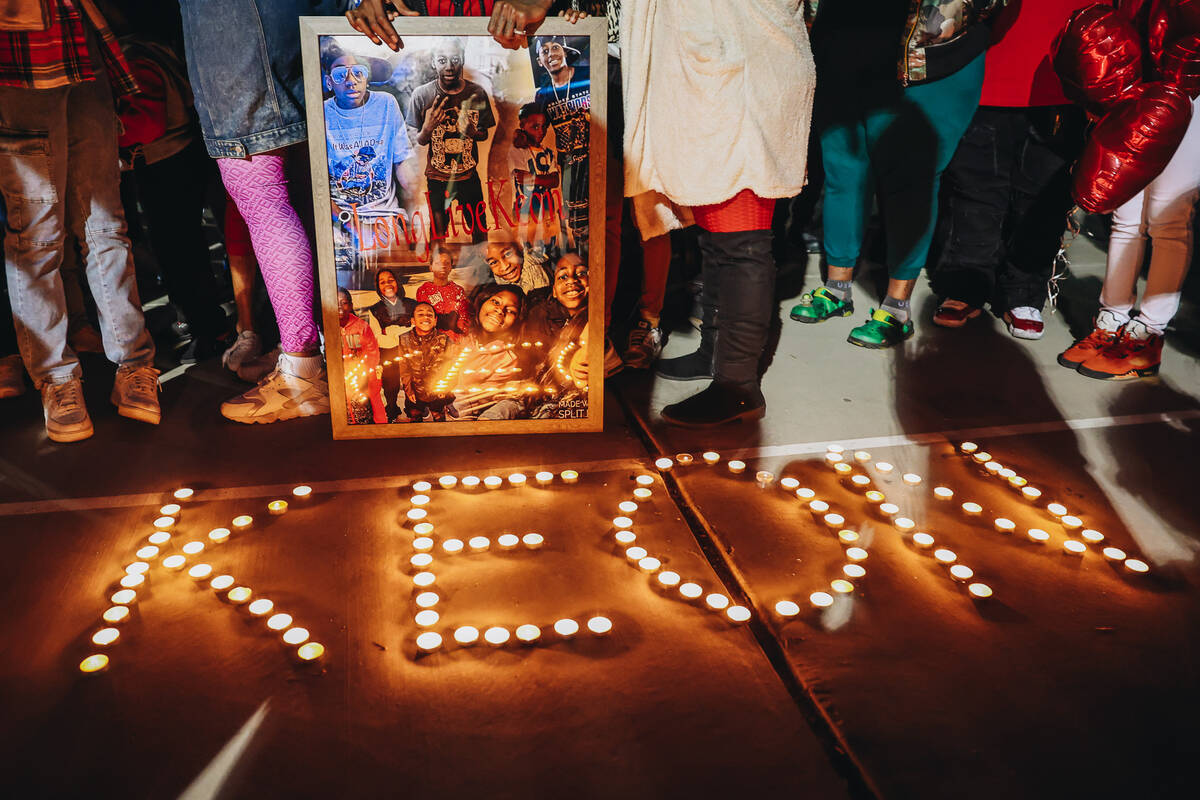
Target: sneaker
695, 366
12, 377
821, 305
1083, 349
612, 362
1135, 353
67, 418
717, 404
1025, 322
280, 396
954, 313
881, 331
135, 393
255, 369
86, 339
246, 347
644, 345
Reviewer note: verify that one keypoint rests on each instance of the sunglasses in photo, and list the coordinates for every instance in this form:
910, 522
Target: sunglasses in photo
342, 74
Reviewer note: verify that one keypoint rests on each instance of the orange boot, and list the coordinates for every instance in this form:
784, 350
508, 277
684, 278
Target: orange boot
1136, 353
1093, 343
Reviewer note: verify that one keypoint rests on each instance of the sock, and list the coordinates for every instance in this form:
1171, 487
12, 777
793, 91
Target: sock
840, 289
1137, 328
1110, 320
897, 308
301, 366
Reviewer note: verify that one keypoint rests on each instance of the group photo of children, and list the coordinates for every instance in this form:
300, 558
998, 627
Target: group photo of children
459, 203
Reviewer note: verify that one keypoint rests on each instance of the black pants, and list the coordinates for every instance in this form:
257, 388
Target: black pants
468, 191
393, 381
1004, 202
741, 268
171, 192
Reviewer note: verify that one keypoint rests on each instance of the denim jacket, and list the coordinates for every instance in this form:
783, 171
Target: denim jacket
244, 65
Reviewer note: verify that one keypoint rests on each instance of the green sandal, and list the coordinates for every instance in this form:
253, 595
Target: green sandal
819, 306
882, 330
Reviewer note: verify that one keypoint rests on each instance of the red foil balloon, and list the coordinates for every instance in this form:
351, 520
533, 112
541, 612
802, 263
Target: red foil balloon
1180, 64
1130, 146
1098, 57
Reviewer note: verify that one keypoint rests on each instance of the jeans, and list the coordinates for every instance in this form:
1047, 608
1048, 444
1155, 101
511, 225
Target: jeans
59, 168
1004, 203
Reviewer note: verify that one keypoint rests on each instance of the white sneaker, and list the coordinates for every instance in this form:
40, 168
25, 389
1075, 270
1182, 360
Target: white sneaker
67, 418
279, 396
246, 347
12, 377
1025, 322
135, 393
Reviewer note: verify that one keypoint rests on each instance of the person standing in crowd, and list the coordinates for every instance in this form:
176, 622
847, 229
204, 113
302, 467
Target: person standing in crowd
1007, 191
890, 130
58, 172
566, 100
251, 112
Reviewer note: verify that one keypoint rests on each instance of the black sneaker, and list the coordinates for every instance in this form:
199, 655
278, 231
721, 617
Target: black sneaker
695, 366
718, 404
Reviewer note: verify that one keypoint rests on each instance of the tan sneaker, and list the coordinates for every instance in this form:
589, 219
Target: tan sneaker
280, 396
12, 377
135, 393
67, 418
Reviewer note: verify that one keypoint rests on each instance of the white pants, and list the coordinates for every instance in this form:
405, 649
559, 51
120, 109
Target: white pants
1163, 212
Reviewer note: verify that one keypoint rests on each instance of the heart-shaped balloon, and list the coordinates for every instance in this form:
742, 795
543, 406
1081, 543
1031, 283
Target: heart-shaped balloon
1180, 64
1130, 146
1098, 57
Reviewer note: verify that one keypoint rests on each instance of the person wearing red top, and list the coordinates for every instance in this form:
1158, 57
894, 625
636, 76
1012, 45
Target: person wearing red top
59, 172
448, 299
360, 355
1006, 193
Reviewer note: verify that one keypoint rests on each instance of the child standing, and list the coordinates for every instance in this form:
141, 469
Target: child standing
535, 173
360, 354
424, 351
448, 299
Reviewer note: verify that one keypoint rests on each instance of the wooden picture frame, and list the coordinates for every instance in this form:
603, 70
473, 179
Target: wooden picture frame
417, 147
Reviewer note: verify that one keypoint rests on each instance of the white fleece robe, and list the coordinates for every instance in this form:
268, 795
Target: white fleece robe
718, 98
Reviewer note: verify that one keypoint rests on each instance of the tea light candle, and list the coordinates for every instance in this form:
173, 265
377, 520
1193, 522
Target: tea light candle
821, 599
642, 494
447, 481
684, 459
239, 594
569, 476
517, 480
649, 564
277, 507
833, 458
668, 578
528, 634
544, 478
972, 509
1031, 493
566, 628
690, 590
600, 626
105, 636
834, 520
302, 492
466, 635
1037, 535
847, 537
170, 510
943, 492
627, 507
159, 537
218, 535
279, 622
1073, 547
429, 641
1017, 482
242, 522
132, 581
716, 601
452, 546
860, 481
818, 506
621, 523
424, 580
889, 509
664, 464
993, 468
883, 466
470, 482
423, 528
644, 480
422, 544
737, 467
421, 487
856, 553
841, 586
1089, 535
1111, 553
625, 537
479, 543
904, 524
507, 541
192, 548
737, 613
961, 573
786, 608
789, 484
1006, 473
1056, 509
968, 447
842, 469
862, 455
426, 599
148, 552
980, 591
123, 597
416, 514
711, 457
764, 478
164, 523
636, 554
419, 500
1070, 523
533, 540
496, 636
493, 481
116, 615
854, 571
922, 540
260, 607
911, 478
835, 448
94, 663
1004, 525
945, 556
1136, 566
982, 458
805, 494
200, 572
875, 496
174, 562
221, 582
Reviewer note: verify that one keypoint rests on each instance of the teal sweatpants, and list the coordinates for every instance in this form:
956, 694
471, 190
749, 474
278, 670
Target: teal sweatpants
897, 143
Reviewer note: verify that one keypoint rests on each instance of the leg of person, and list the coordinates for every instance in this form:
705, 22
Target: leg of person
974, 203
646, 337
243, 270
172, 193
12, 369
698, 365
849, 190
911, 144
1049, 142
614, 208
392, 382
81, 334
1169, 205
736, 240
297, 387
469, 195
375, 395
439, 203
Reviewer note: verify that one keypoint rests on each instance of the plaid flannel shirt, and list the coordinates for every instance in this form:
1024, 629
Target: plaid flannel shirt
58, 56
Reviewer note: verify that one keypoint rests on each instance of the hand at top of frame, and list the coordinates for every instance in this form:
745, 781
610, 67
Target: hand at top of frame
514, 21
374, 18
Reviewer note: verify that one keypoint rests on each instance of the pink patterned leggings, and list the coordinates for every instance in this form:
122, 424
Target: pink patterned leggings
259, 187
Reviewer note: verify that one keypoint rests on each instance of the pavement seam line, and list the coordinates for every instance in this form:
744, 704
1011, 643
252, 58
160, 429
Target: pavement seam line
837, 749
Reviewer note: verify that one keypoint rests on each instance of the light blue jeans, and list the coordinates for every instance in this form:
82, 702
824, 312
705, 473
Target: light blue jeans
59, 168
